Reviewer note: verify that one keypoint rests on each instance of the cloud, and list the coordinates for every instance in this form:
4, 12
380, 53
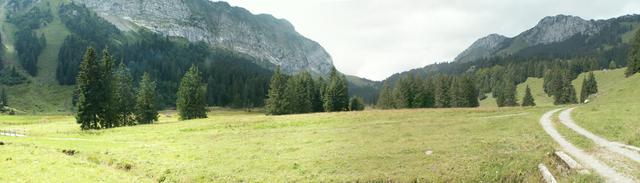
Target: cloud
377, 38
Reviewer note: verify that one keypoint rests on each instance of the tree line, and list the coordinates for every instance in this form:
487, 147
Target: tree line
29, 45
107, 99
300, 93
441, 91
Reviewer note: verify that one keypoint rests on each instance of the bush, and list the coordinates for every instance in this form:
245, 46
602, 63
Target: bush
356, 104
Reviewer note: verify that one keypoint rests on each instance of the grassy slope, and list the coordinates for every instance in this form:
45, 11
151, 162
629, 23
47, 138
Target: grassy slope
614, 112
469, 145
537, 91
43, 94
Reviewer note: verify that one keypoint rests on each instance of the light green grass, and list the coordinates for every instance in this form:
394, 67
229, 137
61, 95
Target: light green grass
537, 90
469, 145
613, 113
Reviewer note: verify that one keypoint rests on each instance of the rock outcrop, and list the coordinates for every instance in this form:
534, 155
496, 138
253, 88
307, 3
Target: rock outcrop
263, 37
483, 48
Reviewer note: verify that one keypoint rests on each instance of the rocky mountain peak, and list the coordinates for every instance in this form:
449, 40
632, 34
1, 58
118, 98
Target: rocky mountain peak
219, 24
558, 28
483, 47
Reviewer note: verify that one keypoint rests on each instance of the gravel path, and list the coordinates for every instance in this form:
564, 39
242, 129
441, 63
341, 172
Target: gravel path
587, 160
565, 118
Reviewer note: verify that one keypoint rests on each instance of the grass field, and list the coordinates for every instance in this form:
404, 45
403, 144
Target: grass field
467, 145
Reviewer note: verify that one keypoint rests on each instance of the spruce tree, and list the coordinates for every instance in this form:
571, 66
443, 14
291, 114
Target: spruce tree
593, 84
318, 91
3, 99
613, 65
442, 96
507, 96
405, 92
633, 61
146, 111
385, 98
584, 92
424, 94
108, 115
88, 84
191, 101
567, 93
276, 99
124, 96
336, 96
356, 104
528, 98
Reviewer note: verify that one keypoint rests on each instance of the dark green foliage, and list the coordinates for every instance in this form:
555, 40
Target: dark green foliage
405, 92
528, 98
123, 96
69, 58
442, 95
29, 46
566, 94
191, 96
32, 19
464, 92
89, 104
108, 115
9, 76
634, 56
506, 96
589, 87
146, 111
299, 94
276, 103
336, 94
87, 24
424, 94
356, 104
4, 101
613, 65
386, 98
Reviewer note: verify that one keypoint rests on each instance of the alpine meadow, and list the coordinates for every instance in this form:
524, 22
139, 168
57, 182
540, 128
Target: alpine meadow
277, 91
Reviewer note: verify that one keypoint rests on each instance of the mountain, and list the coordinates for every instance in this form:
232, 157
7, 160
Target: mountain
553, 31
219, 25
43, 41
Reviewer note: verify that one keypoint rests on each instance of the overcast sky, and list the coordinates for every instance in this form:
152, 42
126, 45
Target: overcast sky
377, 38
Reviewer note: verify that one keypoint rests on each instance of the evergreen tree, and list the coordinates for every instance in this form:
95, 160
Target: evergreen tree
507, 96
589, 87
593, 84
424, 94
584, 92
567, 93
356, 104
633, 61
336, 96
299, 94
467, 92
385, 98
613, 65
528, 98
146, 111
405, 92
88, 85
191, 101
108, 114
442, 96
276, 103
4, 102
124, 96
318, 91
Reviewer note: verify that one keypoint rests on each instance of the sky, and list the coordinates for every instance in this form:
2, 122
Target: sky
377, 38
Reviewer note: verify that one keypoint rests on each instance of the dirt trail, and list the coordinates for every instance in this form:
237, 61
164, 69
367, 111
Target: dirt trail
565, 118
581, 156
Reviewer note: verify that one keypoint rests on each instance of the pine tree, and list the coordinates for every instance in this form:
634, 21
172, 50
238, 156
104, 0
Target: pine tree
108, 116
4, 102
318, 91
276, 99
336, 96
299, 94
507, 96
528, 98
424, 93
567, 93
146, 111
405, 92
593, 84
441, 93
191, 101
584, 92
124, 96
385, 98
613, 65
633, 61
88, 82
356, 104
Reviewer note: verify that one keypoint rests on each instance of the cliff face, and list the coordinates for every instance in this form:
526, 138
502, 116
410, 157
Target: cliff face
483, 48
220, 25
